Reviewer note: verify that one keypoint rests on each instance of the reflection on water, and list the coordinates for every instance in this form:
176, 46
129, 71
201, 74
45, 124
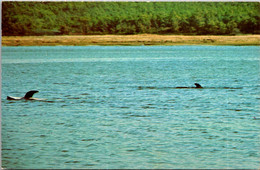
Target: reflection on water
118, 107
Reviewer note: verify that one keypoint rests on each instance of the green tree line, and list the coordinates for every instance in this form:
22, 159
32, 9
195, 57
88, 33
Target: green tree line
85, 18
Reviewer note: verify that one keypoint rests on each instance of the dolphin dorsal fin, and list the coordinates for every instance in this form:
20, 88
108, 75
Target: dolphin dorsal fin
198, 85
30, 94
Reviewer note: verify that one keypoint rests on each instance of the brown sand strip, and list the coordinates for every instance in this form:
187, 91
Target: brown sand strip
143, 39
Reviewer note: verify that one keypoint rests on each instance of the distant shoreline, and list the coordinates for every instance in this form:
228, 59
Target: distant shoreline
134, 40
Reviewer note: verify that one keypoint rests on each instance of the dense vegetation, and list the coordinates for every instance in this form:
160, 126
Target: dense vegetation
49, 18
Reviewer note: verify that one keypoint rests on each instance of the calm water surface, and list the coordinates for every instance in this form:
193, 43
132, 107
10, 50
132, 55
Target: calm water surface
116, 107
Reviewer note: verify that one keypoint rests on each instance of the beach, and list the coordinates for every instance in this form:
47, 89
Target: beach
140, 39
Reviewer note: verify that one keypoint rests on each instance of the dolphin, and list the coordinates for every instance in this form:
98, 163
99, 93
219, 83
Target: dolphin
27, 96
198, 86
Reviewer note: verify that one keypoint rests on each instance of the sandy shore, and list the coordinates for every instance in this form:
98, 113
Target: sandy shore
144, 39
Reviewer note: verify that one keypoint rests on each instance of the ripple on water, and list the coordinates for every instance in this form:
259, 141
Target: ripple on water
88, 139
72, 162
85, 94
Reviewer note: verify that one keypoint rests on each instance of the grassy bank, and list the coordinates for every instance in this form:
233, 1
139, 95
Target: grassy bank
143, 39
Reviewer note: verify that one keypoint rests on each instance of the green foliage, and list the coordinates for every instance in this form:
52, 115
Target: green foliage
83, 18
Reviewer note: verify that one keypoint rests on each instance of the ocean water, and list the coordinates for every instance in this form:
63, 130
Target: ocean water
117, 107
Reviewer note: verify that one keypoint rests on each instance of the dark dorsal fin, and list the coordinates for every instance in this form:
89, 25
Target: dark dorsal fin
198, 85
30, 94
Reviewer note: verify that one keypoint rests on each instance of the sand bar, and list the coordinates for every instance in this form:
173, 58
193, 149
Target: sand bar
142, 39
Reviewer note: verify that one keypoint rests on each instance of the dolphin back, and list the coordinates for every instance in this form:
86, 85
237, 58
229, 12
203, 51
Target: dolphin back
14, 98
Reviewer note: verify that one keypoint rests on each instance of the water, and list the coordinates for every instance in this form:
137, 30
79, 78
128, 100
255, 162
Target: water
116, 107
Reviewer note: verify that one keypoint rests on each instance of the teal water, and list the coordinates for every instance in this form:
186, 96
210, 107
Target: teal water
116, 107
